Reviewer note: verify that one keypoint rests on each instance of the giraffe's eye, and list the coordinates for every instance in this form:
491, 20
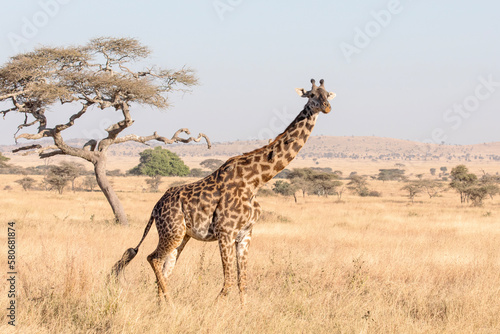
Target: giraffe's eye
312, 95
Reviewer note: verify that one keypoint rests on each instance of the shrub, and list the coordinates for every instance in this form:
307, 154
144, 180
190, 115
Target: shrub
159, 161
265, 192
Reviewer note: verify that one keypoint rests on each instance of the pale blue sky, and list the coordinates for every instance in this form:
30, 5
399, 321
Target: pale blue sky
421, 70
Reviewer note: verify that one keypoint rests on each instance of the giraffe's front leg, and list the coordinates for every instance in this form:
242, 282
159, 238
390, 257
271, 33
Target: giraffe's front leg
242, 245
227, 247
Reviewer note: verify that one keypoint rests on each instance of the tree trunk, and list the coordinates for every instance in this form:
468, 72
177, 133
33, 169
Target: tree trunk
103, 182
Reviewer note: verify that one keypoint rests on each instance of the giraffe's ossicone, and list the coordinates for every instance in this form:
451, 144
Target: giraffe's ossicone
222, 207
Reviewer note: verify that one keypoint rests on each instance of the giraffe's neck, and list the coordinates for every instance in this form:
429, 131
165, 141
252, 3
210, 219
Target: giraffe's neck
261, 165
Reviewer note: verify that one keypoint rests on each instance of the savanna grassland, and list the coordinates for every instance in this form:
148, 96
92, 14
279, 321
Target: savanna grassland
359, 265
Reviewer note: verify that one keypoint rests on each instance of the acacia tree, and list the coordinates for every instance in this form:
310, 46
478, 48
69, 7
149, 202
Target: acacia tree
90, 182
358, 185
462, 181
98, 75
26, 182
72, 171
413, 189
432, 187
285, 188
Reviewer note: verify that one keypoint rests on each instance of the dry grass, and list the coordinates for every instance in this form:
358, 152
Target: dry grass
363, 265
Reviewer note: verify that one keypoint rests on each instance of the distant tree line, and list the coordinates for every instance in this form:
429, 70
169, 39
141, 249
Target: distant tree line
57, 177
471, 188
159, 162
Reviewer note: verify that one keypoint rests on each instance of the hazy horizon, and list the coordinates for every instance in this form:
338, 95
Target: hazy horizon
420, 71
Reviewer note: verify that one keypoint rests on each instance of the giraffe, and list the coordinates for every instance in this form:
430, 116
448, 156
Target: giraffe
222, 207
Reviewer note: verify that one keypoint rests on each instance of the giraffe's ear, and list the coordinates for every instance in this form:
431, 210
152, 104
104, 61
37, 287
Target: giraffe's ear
301, 91
331, 95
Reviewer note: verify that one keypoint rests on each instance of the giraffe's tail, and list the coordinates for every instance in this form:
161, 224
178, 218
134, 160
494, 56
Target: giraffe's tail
130, 253
122, 263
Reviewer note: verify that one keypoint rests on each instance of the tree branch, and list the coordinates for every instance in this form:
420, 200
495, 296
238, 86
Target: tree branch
69, 150
12, 95
38, 149
61, 127
90, 145
25, 124
4, 112
115, 129
51, 154
39, 135
31, 147
175, 138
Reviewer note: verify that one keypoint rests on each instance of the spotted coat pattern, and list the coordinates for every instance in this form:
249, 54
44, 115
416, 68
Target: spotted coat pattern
222, 206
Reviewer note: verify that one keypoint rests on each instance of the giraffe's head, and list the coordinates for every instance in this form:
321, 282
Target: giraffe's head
318, 97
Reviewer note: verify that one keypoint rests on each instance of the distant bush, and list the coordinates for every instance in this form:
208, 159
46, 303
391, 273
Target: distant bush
211, 164
391, 174
369, 193
154, 183
114, 172
177, 183
198, 172
26, 182
265, 192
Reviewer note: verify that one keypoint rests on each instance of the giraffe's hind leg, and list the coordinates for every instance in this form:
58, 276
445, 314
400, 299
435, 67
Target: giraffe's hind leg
172, 258
167, 248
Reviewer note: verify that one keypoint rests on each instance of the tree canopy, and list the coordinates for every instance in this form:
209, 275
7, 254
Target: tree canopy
159, 161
